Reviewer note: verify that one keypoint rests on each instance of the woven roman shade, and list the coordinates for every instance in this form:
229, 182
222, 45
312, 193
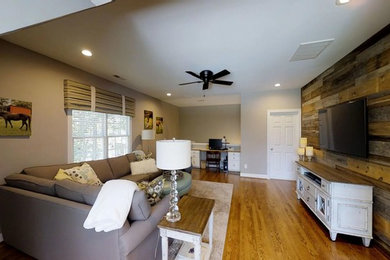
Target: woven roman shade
77, 95
85, 97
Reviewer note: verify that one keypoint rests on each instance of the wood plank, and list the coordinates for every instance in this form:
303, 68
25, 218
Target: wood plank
379, 114
379, 101
381, 148
381, 129
369, 169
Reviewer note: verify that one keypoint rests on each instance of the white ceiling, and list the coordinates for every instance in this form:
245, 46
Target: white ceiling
151, 43
16, 14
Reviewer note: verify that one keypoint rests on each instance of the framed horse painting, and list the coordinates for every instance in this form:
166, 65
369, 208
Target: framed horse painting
15, 117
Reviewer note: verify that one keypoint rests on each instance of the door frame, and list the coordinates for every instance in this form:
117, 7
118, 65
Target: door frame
269, 111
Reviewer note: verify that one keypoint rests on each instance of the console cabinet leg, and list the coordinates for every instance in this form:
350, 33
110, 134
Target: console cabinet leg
366, 241
333, 236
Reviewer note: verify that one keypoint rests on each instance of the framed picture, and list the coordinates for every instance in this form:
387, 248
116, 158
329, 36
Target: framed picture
15, 117
159, 125
148, 119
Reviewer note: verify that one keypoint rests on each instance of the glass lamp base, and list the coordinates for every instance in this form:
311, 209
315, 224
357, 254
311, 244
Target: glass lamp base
173, 216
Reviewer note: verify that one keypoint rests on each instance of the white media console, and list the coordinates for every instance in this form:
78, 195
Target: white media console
339, 199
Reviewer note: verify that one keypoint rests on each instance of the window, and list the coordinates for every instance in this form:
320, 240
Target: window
98, 135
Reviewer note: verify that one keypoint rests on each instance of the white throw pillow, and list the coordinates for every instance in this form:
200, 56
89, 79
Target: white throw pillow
142, 167
83, 174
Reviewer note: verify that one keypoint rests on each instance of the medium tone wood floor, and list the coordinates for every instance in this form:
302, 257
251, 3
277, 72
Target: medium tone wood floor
267, 222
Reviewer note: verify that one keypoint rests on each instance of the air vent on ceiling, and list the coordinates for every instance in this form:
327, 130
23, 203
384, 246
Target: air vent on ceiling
310, 50
118, 77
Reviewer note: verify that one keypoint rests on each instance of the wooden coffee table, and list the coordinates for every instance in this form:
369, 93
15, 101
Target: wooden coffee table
195, 214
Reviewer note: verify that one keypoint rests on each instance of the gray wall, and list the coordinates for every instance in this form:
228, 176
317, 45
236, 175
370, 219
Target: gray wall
28, 76
201, 123
254, 125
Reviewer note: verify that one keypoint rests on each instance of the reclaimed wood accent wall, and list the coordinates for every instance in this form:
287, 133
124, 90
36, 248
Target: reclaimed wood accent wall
363, 73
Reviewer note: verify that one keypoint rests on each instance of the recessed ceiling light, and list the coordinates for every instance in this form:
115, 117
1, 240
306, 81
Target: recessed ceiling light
86, 53
342, 2
169, 94
277, 85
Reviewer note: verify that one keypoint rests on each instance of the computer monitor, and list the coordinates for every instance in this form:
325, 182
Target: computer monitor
215, 144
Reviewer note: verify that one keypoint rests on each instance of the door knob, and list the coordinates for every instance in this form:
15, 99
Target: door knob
272, 149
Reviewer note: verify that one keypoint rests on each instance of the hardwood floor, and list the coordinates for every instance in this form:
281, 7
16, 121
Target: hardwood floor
267, 222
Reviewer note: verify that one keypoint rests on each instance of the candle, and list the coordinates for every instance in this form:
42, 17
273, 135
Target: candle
309, 151
301, 151
303, 142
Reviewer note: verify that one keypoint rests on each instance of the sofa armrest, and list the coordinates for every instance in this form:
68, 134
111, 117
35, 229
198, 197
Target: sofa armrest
139, 230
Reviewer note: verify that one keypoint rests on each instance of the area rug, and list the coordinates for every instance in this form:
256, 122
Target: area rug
222, 194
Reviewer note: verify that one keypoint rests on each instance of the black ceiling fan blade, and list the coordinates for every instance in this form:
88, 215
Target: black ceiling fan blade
205, 85
221, 74
193, 74
182, 84
222, 82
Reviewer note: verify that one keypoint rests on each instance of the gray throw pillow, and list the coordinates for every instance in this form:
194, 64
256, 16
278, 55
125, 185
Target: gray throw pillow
140, 207
31, 183
83, 193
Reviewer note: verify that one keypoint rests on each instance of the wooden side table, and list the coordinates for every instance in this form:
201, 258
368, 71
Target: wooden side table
195, 214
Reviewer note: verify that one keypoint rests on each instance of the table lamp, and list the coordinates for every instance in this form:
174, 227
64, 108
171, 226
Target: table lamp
173, 155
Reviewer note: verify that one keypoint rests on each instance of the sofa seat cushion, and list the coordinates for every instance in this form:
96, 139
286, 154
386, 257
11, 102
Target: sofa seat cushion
136, 178
83, 193
31, 183
120, 166
48, 172
154, 175
140, 207
102, 169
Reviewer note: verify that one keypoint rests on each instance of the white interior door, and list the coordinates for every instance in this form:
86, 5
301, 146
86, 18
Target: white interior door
283, 132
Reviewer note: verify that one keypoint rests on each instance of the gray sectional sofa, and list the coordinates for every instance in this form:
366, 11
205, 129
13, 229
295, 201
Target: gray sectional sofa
44, 218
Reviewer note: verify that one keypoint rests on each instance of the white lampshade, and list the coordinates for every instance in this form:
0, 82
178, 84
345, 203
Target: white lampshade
173, 154
147, 135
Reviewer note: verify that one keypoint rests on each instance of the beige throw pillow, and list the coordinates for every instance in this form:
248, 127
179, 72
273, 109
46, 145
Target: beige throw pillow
83, 174
142, 167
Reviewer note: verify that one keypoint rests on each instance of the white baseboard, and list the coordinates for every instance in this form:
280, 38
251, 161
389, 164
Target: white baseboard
1, 237
254, 175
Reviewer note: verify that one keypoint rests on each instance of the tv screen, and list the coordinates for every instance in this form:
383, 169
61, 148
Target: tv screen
215, 144
343, 128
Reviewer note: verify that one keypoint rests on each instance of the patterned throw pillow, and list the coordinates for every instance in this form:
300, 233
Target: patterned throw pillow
83, 174
152, 189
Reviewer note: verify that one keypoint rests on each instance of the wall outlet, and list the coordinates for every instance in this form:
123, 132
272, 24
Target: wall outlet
245, 166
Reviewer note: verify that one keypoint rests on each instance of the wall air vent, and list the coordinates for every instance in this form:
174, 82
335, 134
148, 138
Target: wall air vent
310, 50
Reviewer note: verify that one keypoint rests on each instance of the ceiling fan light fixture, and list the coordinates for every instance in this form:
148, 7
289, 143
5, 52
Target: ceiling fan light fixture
342, 2
86, 52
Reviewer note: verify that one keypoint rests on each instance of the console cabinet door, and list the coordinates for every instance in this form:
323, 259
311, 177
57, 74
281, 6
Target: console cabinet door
352, 217
323, 207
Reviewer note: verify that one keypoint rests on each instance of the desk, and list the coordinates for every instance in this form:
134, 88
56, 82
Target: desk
198, 155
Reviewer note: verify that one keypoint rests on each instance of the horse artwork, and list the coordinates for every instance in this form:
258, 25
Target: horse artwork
15, 117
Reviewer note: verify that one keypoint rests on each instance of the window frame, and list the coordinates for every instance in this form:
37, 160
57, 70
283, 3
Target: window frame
70, 155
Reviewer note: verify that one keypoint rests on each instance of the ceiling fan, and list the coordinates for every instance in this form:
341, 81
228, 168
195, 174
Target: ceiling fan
207, 76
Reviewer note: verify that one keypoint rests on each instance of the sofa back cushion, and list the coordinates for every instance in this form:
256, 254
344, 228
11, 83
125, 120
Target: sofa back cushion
120, 166
83, 193
102, 169
144, 166
48, 172
31, 183
140, 207
131, 157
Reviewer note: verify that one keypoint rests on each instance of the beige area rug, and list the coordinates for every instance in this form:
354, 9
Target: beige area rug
222, 194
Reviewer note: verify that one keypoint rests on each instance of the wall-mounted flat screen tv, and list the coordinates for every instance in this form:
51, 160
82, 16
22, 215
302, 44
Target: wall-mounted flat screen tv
215, 144
343, 128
